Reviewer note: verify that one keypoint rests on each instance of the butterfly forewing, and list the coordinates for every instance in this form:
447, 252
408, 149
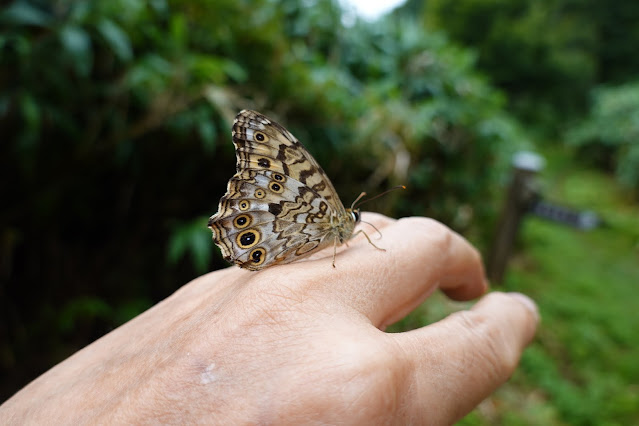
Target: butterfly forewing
261, 143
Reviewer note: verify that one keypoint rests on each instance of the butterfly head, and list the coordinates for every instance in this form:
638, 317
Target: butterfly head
354, 214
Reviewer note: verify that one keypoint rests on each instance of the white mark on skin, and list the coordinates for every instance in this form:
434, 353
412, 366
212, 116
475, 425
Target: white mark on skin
208, 376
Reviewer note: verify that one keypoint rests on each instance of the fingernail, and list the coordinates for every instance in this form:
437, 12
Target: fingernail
527, 302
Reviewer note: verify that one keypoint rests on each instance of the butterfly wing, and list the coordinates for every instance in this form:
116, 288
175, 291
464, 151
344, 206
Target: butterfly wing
278, 206
262, 144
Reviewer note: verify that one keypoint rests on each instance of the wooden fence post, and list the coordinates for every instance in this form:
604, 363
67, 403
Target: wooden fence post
522, 193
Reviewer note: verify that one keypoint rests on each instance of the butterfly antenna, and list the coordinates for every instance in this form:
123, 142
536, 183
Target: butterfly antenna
357, 199
375, 197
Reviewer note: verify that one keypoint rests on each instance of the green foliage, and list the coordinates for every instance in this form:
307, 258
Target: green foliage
545, 54
609, 136
82, 311
189, 238
426, 107
613, 26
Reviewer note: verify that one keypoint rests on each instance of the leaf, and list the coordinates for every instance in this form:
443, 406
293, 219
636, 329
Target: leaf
24, 13
117, 39
214, 69
81, 310
235, 71
150, 72
178, 30
207, 67
77, 43
123, 312
192, 238
160, 6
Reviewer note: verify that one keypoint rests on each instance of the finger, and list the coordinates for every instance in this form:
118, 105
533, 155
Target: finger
420, 255
459, 361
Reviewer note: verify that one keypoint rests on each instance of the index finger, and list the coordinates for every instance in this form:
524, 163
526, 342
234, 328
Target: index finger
420, 256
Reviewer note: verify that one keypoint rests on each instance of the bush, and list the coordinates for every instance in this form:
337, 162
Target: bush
609, 137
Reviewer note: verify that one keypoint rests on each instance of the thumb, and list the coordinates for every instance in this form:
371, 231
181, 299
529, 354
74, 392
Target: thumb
459, 361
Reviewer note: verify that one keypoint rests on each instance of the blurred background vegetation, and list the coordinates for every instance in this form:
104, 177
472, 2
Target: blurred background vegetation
115, 148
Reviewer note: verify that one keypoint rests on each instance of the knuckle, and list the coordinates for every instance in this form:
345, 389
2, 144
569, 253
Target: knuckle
489, 344
435, 231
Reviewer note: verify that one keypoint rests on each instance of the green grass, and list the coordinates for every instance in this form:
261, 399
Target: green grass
583, 367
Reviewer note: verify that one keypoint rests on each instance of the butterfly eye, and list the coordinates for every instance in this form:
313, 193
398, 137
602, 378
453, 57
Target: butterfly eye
276, 187
242, 221
260, 137
259, 193
244, 205
258, 256
279, 177
248, 238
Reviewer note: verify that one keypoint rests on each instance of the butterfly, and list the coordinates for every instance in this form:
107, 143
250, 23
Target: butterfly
280, 206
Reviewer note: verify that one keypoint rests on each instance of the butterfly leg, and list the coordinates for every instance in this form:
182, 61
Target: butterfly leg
334, 251
368, 238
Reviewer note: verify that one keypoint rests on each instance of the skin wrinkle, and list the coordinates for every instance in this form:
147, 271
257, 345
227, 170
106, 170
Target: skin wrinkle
386, 402
362, 299
400, 385
362, 376
359, 371
491, 349
280, 300
283, 306
404, 308
142, 394
472, 327
308, 292
434, 357
112, 369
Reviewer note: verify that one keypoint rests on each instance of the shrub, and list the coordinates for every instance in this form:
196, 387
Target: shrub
609, 136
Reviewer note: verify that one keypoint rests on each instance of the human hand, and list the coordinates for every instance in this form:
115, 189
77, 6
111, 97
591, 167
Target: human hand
300, 343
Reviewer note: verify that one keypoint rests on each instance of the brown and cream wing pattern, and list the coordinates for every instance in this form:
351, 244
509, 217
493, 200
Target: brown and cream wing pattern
280, 205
